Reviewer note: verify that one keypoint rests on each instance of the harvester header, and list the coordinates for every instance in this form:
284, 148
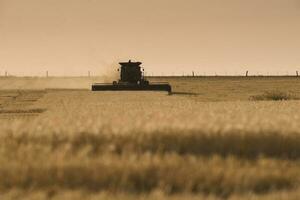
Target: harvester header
131, 79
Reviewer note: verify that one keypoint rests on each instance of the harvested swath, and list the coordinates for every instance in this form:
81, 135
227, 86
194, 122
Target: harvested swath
22, 111
28, 100
274, 96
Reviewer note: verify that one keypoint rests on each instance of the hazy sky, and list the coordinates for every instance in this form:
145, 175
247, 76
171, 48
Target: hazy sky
176, 36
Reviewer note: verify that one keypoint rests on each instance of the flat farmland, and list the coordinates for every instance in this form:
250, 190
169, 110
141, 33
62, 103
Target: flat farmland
208, 140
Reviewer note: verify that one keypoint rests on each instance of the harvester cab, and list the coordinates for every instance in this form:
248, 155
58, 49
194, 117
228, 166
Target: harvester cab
131, 79
131, 73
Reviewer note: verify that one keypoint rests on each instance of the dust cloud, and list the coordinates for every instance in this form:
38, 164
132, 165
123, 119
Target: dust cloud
108, 74
38, 83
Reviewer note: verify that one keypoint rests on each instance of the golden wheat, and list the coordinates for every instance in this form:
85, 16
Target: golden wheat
147, 145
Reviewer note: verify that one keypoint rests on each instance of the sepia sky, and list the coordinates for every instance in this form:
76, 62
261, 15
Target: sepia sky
70, 37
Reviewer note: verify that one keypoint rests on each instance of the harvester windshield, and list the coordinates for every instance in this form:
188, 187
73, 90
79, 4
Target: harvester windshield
131, 72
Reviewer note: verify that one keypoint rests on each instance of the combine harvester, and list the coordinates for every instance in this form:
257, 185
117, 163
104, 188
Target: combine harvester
131, 79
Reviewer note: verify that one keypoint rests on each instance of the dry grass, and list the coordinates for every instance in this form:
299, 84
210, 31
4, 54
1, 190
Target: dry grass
147, 146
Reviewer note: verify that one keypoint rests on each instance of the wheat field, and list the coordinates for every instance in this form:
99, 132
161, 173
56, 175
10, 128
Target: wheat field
208, 140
